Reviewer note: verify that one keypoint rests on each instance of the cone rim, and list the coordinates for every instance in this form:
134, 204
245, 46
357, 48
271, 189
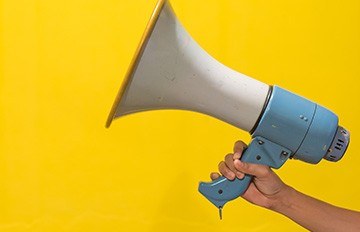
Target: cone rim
136, 58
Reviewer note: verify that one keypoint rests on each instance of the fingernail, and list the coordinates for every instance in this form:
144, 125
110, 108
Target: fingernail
230, 175
237, 155
240, 175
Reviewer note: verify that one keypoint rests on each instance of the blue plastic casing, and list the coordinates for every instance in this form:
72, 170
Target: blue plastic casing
290, 127
305, 128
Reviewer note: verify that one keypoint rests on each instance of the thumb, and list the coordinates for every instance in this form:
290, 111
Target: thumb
258, 170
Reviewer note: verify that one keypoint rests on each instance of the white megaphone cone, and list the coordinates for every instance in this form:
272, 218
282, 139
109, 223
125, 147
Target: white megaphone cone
171, 71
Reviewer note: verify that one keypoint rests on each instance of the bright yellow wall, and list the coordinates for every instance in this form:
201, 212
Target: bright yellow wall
62, 63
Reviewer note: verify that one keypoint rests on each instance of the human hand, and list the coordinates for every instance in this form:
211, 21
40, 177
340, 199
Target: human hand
266, 189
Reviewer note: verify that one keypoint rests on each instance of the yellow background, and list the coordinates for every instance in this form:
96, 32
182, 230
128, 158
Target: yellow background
62, 63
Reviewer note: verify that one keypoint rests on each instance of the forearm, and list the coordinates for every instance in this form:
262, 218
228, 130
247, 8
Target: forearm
316, 215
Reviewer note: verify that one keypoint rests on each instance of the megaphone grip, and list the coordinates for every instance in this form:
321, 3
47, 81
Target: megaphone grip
260, 151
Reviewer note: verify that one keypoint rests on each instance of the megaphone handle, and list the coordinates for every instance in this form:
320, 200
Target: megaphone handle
259, 151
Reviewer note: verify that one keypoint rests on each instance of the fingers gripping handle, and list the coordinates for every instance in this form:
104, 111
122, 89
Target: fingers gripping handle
260, 151
223, 190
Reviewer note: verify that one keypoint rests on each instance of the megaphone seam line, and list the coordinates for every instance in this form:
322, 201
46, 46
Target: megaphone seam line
307, 131
263, 109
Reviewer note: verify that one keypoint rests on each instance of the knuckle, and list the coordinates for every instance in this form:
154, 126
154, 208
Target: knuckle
228, 156
240, 144
266, 171
221, 163
223, 171
230, 163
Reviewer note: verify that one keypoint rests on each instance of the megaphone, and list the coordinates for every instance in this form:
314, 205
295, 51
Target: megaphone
171, 71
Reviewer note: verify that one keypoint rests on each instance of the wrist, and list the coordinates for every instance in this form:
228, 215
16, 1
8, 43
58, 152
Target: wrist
282, 201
